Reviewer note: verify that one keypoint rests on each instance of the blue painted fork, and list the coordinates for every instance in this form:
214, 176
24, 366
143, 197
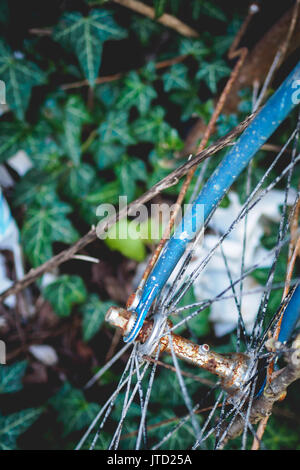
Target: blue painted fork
261, 128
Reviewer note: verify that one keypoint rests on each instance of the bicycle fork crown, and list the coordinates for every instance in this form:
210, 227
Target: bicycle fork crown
231, 368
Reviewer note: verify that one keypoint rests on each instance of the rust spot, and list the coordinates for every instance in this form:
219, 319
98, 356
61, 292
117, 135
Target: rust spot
130, 300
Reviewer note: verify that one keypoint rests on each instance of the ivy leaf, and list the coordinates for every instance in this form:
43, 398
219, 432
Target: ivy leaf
159, 7
44, 225
190, 98
44, 153
115, 129
176, 78
73, 410
167, 390
11, 377
152, 127
107, 155
35, 187
168, 146
144, 28
75, 116
100, 193
211, 72
226, 123
128, 172
79, 180
107, 93
136, 93
207, 8
193, 47
64, 293
12, 133
86, 35
19, 76
149, 72
12, 426
93, 312
108, 193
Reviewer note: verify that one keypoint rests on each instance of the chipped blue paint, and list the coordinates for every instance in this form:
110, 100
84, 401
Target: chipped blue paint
261, 128
290, 317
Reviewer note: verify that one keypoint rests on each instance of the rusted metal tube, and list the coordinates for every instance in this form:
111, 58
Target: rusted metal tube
232, 368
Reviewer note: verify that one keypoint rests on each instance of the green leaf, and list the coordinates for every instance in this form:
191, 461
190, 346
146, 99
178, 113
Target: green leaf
152, 127
119, 238
44, 153
107, 93
115, 129
144, 28
73, 410
93, 312
11, 134
19, 76
35, 188
12, 426
211, 72
128, 171
75, 116
44, 225
79, 180
226, 123
64, 293
280, 435
159, 7
107, 155
192, 103
86, 35
136, 93
151, 231
11, 377
193, 47
176, 78
212, 10
108, 193
207, 8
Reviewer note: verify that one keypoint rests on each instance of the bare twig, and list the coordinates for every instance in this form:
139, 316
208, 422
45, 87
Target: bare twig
116, 76
167, 20
170, 180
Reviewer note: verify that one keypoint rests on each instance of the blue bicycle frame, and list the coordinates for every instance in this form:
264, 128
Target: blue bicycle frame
260, 129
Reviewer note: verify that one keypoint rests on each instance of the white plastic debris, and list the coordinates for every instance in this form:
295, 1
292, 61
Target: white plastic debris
9, 240
9, 232
214, 279
20, 162
5, 283
47, 278
6, 180
44, 353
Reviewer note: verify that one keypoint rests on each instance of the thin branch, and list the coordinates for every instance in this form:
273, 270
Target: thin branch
167, 20
116, 76
170, 180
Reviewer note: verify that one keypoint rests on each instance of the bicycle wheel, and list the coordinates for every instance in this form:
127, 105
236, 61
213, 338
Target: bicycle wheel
232, 276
